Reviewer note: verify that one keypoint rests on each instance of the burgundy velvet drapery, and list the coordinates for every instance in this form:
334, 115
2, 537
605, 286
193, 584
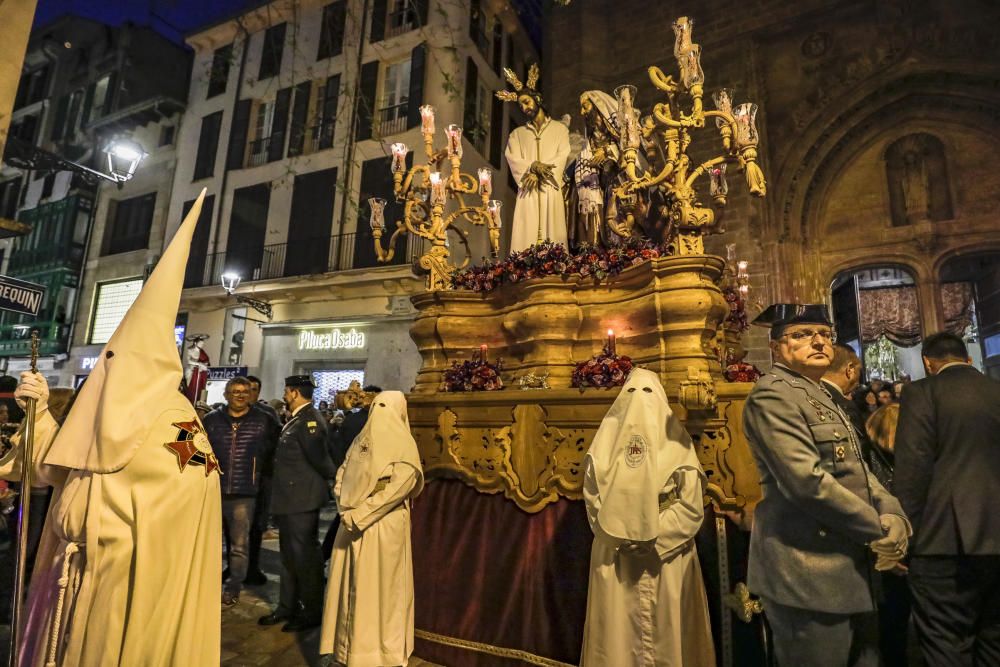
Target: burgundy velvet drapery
894, 312
486, 571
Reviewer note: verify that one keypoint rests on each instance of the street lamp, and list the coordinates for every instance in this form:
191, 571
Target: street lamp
231, 280
124, 156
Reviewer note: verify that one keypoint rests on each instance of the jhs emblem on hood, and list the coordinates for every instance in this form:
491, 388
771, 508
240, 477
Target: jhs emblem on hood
635, 451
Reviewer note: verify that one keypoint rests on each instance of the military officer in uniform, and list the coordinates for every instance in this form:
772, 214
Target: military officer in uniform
302, 470
823, 518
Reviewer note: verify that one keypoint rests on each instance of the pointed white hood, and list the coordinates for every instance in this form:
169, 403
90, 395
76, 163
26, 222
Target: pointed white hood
137, 369
638, 446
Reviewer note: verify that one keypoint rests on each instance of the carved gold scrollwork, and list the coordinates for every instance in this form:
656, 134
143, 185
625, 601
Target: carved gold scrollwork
697, 392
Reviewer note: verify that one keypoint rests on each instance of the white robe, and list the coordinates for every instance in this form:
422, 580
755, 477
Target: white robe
649, 609
144, 558
541, 211
368, 615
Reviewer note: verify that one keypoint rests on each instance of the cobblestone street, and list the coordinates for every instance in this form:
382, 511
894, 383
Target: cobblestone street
244, 643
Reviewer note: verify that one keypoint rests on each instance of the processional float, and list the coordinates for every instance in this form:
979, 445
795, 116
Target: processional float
527, 442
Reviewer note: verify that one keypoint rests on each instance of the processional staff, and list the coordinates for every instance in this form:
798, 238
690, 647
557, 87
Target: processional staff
23, 512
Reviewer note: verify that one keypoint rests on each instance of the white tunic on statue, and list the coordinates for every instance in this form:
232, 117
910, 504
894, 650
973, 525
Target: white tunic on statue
368, 614
643, 486
541, 212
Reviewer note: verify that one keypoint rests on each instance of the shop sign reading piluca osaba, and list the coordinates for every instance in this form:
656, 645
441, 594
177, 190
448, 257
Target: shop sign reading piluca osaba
331, 340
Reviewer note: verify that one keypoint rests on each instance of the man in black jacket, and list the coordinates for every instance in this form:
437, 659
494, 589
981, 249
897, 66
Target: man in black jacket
947, 472
243, 440
302, 470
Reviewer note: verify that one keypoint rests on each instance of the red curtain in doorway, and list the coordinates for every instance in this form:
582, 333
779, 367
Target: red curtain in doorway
894, 312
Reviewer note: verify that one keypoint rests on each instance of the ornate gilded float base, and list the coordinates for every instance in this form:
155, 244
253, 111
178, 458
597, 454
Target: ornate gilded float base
530, 444
665, 313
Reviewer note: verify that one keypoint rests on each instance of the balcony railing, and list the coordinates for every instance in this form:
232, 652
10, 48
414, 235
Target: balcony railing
299, 258
15, 339
392, 120
259, 149
400, 21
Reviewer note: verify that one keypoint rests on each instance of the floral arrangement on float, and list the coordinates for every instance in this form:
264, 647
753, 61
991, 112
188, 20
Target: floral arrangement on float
553, 259
607, 369
736, 320
474, 374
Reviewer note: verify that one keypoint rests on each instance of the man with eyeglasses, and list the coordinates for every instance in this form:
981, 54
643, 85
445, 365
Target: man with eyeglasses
243, 440
822, 515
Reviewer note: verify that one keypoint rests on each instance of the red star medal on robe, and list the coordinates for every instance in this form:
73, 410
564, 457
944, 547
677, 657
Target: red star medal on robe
192, 447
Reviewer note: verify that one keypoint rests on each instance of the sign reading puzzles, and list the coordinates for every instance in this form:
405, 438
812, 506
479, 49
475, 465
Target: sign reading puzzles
331, 340
19, 296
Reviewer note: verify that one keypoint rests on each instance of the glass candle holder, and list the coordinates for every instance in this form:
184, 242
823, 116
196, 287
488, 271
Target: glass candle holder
399, 151
427, 119
485, 181
690, 66
493, 209
723, 99
717, 180
683, 30
628, 119
438, 189
377, 219
454, 133
746, 125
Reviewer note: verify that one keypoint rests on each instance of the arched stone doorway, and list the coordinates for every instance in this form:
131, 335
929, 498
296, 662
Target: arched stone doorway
876, 310
970, 298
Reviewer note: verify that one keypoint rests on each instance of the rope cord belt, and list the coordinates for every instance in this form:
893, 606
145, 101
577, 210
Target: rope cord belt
488, 649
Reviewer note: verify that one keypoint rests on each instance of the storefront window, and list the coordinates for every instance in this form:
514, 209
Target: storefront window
329, 382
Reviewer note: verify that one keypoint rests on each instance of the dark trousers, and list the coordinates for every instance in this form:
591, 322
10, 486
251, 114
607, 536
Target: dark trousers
302, 565
802, 637
894, 619
261, 518
237, 512
956, 609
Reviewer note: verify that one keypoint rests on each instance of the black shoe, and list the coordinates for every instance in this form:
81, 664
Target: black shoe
257, 578
273, 619
301, 625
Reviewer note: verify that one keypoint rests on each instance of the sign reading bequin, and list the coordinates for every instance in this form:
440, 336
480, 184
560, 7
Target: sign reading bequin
332, 340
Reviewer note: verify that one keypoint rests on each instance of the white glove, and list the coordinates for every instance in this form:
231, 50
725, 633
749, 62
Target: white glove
896, 540
33, 385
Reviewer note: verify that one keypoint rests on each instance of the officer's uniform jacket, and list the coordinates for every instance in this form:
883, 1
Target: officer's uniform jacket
820, 506
302, 464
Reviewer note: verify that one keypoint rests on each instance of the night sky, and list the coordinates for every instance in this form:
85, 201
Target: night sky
175, 18
172, 18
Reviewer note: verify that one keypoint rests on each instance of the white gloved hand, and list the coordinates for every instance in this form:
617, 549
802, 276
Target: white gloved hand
896, 540
33, 385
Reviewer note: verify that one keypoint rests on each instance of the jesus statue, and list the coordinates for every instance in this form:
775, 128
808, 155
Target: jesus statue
536, 153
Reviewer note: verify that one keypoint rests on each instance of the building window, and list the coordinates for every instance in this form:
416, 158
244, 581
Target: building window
9, 193
270, 56
32, 87
393, 110
129, 222
261, 134
167, 133
326, 117
24, 128
477, 28
476, 117
112, 302
402, 17
208, 146
218, 76
100, 98
331, 37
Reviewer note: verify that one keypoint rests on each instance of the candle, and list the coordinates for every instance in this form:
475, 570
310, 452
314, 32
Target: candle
377, 220
437, 189
482, 352
427, 119
454, 133
611, 342
741, 268
493, 208
485, 181
399, 151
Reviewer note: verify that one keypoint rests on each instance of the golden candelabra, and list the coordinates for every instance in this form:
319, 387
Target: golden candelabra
425, 199
665, 136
